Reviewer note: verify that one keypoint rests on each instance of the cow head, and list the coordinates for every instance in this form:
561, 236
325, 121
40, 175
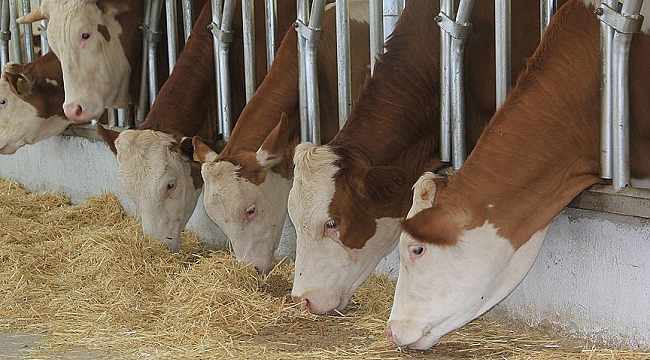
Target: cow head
156, 173
450, 272
246, 198
342, 230
25, 116
86, 36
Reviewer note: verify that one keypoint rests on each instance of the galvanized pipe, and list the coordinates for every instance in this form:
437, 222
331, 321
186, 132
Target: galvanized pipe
188, 18
606, 97
546, 11
343, 59
621, 127
311, 70
270, 14
15, 32
5, 34
502, 30
27, 30
45, 46
248, 28
143, 104
376, 31
152, 48
446, 10
222, 47
458, 151
172, 32
392, 11
302, 10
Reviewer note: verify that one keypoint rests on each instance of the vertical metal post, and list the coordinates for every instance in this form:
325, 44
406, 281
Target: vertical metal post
187, 18
5, 34
343, 59
270, 14
458, 153
546, 11
502, 24
302, 10
376, 31
248, 27
172, 32
15, 32
153, 38
311, 70
27, 30
446, 10
222, 30
606, 96
392, 11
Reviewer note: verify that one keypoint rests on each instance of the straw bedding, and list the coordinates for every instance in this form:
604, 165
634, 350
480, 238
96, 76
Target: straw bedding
86, 278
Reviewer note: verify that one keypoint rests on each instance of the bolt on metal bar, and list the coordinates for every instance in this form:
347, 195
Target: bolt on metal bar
27, 30
376, 31
606, 96
446, 10
15, 32
187, 18
270, 14
302, 15
546, 11
223, 34
248, 27
502, 33
5, 34
172, 30
343, 59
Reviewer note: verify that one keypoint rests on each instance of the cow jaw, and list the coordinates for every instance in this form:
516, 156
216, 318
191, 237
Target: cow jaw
441, 288
90, 85
158, 181
252, 216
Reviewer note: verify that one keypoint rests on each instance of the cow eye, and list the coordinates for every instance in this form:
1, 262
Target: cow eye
251, 209
3, 102
85, 36
331, 225
171, 186
416, 250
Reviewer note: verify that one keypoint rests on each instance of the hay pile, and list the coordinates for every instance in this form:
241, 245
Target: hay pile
86, 277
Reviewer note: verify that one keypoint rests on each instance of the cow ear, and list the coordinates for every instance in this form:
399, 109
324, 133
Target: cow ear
201, 151
186, 147
383, 182
282, 139
424, 192
18, 82
108, 136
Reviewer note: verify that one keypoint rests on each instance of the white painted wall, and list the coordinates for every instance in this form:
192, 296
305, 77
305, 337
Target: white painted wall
592, 277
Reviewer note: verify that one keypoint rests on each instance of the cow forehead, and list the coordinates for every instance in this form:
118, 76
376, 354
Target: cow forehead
314, 184
222, 178
146, 154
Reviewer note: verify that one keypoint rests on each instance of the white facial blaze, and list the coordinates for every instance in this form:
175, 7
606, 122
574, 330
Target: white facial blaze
19, 123
326, 271
250, 215
95, 71
158, 181
446, 287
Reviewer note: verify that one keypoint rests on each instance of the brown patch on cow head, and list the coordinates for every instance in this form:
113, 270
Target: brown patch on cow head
185, 148
436, 225
102, 29
108, 136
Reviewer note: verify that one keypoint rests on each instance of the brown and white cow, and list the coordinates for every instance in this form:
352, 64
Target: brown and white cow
348, 196
470, 240
30, 103
247, 184
154, 168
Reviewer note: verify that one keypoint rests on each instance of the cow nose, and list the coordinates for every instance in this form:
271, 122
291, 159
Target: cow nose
302, 301
75, 113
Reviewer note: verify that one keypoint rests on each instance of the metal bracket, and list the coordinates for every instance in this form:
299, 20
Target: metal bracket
451, 27
621, 23
222, 36
150, 35
309, 33
5, 35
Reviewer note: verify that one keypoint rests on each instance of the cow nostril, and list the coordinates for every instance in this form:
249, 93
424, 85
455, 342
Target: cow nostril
259, 271
389, 333
302, 301
78, 111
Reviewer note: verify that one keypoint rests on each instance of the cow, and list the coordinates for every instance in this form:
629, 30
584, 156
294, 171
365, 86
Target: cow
247, 184
348, 195
31, 96
99, 44
155, 168
471, 239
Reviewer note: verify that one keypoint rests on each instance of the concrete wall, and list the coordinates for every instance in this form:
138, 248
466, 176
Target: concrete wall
592, 277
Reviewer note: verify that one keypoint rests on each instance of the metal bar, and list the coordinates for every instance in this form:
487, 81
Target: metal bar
112, 117
172, 31
188, 18
144, 78
302, 10
447, 9
5, 34
606, 97
121, 117
502, 24
311, 56
270, 14
27, 30
458, 151
224, 73
15, 32
546, 11
376, 31
392, 10
343, 59
248, 28
152, 49
621, 130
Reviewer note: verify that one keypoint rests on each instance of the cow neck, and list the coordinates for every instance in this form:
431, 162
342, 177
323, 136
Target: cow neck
131, 39
186, 102
541, 148
278, 93
45, 68
400, 103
